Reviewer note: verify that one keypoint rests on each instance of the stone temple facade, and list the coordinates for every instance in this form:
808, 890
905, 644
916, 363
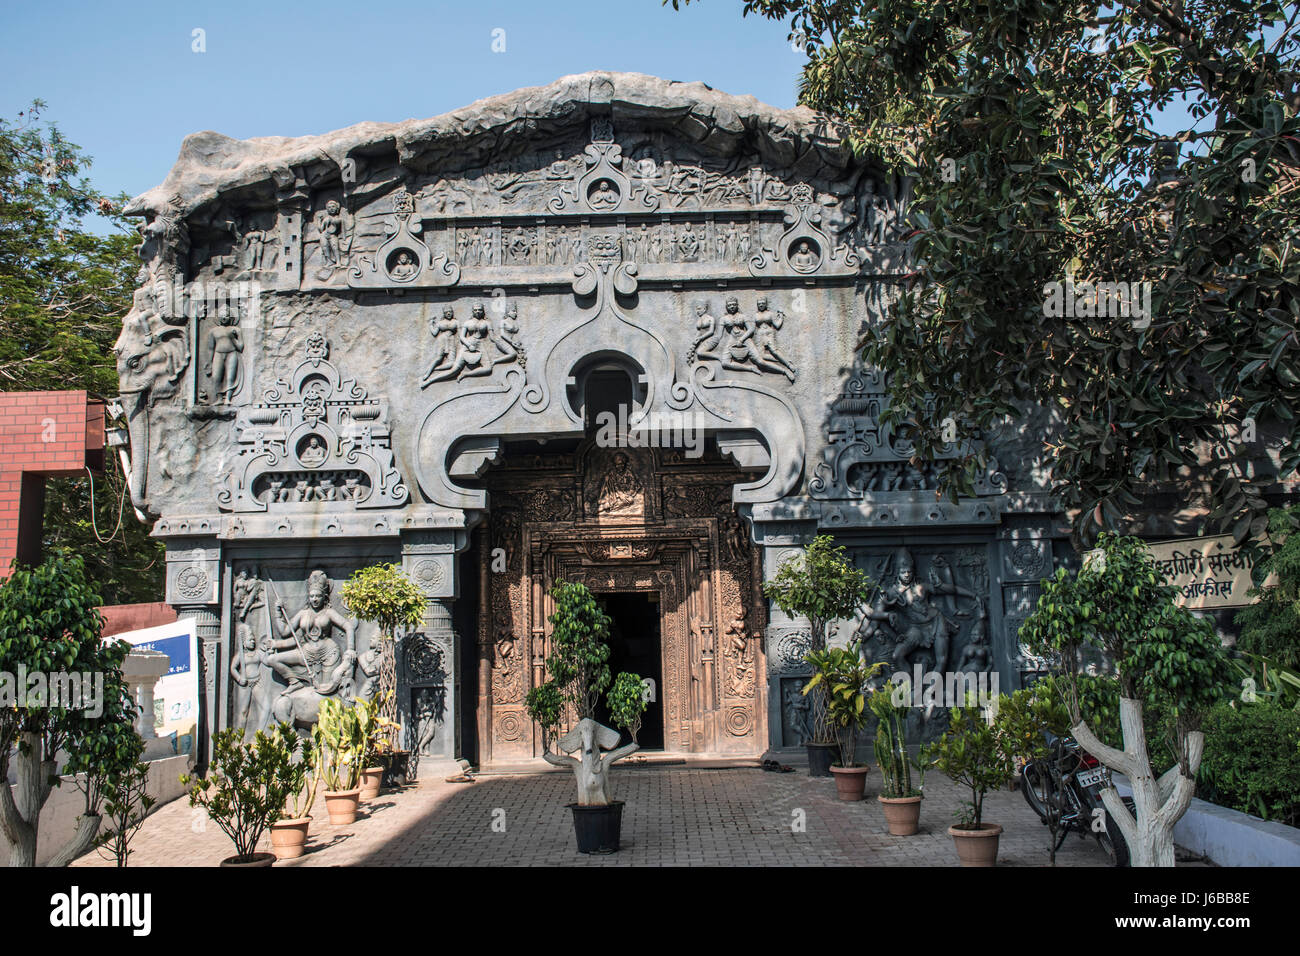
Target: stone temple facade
400, 342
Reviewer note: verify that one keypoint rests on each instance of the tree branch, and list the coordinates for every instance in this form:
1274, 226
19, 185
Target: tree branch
1115, 759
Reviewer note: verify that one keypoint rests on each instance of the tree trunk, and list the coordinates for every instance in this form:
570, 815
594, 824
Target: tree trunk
82, 841
1159, 803
20, 810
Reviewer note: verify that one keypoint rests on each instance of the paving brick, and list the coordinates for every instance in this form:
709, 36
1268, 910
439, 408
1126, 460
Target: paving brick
673, 817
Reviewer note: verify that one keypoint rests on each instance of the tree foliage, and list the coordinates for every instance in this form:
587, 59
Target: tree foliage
973, 754
579, 660
1035, 134
50, 625
819, 584
1271, 627
63, 290
248, 783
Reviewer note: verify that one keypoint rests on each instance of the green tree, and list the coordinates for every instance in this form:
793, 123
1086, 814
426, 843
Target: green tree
63, 290
50, 625
1041, 143
823, 586
1271, 626
385, 595
1164, 655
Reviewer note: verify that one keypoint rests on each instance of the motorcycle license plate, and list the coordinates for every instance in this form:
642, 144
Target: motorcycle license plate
1090, 778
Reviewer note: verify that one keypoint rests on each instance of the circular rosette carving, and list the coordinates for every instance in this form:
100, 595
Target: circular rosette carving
423, 660
192, 582
740, 722
428, 574
510, 725
788, 650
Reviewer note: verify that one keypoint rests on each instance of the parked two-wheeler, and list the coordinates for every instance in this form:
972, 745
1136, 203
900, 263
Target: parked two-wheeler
1068, 781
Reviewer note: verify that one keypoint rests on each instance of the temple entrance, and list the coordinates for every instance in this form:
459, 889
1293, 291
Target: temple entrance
634, 648
653, 534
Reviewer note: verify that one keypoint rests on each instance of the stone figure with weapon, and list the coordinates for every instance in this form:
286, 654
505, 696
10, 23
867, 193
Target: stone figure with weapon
306, 654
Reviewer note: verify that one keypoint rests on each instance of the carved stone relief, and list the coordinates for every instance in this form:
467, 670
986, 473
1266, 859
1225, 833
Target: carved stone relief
740, 342
466, 348
866, 457
314, 439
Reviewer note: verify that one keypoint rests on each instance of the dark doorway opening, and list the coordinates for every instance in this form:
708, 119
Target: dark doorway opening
634, 647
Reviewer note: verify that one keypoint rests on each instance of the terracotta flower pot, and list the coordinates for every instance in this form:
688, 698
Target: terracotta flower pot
977, 847
289, 838
342, 806
257, 859
371, 780
902, 814
850, 782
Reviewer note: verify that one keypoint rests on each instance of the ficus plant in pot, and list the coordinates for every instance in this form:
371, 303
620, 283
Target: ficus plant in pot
247, 786
340, 741
974, 754
821, 585
579, 674
899, 798
386, 595
289, 834
844, 678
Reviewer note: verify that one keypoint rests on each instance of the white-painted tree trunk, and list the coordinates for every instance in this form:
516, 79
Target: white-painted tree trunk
1159, 803
20, 810
592, 775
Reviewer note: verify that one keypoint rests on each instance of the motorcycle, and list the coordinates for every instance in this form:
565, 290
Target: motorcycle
1068, 783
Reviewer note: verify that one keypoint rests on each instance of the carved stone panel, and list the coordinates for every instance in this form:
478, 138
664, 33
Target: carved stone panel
314, 442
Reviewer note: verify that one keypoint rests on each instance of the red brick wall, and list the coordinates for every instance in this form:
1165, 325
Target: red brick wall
135, 617
42, 434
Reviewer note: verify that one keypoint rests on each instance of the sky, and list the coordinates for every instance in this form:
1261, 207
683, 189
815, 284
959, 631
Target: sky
123, 81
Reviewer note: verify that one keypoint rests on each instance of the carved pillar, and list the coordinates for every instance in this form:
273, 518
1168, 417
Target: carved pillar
782, 531
194, 590
428, 684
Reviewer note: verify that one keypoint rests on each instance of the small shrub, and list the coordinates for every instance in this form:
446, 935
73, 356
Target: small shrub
1252, 761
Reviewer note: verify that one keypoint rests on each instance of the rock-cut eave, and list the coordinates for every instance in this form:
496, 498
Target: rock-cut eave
211, 164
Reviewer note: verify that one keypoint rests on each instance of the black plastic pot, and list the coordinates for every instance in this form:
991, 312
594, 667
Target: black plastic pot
820, 758
598, 828
397, 767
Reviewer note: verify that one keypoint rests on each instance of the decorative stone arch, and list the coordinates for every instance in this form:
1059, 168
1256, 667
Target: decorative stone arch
461, 430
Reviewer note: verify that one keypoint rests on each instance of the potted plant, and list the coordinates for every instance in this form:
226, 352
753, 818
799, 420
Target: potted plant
822, 586
378, 730
579, 674
844, 676
385, 595
974, 754
289, 834
898, 798
247, 787
340, 740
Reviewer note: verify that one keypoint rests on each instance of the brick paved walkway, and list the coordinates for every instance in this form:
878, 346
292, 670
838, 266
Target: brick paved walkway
674, 817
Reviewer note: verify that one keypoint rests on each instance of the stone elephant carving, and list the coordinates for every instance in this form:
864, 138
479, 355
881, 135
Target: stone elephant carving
592, 768
151, 358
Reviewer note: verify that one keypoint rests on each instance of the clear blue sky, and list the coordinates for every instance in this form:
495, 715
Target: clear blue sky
122, 81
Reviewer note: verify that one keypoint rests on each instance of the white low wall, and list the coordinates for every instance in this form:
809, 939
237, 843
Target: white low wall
59, 817
1230, 837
